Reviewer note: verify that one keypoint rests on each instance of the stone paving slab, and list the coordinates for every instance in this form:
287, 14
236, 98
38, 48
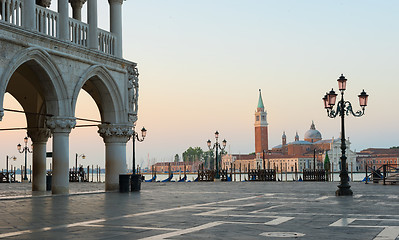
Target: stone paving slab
219, 210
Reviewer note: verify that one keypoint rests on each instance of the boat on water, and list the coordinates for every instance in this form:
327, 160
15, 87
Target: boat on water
168, 179
153, 179
183, 179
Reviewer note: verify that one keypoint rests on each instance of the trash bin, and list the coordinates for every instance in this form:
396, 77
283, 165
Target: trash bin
48, 182
124, 180
135, 182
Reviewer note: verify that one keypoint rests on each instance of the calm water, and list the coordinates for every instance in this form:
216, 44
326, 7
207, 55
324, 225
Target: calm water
357, 177
191, 177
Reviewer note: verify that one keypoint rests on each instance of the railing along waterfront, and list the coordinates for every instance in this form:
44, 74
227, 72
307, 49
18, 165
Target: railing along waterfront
47, 21
78, 32
106, 42
11, 11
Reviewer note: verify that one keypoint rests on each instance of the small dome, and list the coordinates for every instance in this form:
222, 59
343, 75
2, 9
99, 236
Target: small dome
312, 135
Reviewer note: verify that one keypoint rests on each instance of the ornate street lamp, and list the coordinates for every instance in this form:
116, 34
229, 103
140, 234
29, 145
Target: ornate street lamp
13, 158
25, 150
217, 146
134, 137
343, 108
76, 160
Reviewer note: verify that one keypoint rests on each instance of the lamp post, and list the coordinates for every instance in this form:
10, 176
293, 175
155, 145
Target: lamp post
76, 160
25, 150
13, 158
217, 146
134, 137
343, 108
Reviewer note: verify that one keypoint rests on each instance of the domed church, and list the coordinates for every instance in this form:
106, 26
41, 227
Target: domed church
298, 154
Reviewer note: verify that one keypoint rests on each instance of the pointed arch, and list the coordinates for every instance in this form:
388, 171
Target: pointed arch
101, 86
53, 87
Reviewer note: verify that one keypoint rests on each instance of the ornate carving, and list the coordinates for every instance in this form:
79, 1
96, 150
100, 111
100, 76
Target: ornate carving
133, 92
115, 130
77, 3
43, 3
39, 134
59, 124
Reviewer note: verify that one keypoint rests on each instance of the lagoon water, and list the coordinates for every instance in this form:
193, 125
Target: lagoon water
357, 177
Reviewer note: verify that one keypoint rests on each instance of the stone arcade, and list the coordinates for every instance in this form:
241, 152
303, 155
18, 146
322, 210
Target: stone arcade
54, 57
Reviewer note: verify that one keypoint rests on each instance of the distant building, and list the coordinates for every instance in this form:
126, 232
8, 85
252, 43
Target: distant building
301, 153
376, 157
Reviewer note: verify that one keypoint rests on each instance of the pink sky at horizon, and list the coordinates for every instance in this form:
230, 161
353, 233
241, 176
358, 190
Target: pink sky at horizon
201, 65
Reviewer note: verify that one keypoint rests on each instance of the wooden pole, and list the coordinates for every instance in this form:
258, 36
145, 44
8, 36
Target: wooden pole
240, 172
286, 171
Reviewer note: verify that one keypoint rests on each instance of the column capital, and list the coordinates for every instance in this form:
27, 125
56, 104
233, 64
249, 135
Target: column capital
43, 3
61, 124
39, 134
77, 3
115, 133
115, 1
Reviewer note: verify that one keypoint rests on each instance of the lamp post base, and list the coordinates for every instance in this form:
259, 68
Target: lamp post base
135, 182
343, 191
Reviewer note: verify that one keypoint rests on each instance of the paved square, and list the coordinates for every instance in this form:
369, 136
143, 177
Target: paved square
219, 210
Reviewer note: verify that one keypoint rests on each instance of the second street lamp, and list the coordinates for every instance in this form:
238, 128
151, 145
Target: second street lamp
25, 150
343, 108
134, 137
217, 146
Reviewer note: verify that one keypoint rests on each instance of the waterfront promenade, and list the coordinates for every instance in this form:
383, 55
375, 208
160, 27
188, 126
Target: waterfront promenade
219, 210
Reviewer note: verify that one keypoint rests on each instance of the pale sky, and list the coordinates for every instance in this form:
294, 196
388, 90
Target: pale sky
201, 64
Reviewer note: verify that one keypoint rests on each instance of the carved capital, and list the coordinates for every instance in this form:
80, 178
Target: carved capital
115, 1
43, 3
61, 124
115, 132
77, 3
39, 134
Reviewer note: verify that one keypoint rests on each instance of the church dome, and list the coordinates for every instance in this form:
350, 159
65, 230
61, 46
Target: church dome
312, 135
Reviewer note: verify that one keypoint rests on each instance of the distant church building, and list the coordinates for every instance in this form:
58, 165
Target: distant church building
299, 154
261, 134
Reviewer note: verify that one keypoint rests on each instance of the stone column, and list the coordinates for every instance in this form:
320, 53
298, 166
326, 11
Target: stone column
29, 16
63, 23
92, 21
39, 138
116, 24
115, 137
60, 128
77, 8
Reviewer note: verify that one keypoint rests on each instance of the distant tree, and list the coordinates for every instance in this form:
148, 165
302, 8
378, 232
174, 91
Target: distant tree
395, 147
193, 154
177, 158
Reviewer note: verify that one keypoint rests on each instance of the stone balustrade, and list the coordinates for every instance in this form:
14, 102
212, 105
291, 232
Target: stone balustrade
11, 11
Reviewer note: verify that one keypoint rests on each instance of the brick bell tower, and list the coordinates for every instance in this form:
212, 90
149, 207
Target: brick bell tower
261, 134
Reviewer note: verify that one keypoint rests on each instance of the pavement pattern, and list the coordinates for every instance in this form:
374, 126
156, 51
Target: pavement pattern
203, 210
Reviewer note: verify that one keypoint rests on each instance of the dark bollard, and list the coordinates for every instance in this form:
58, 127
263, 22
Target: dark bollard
124, 180
48, 182
135, 182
